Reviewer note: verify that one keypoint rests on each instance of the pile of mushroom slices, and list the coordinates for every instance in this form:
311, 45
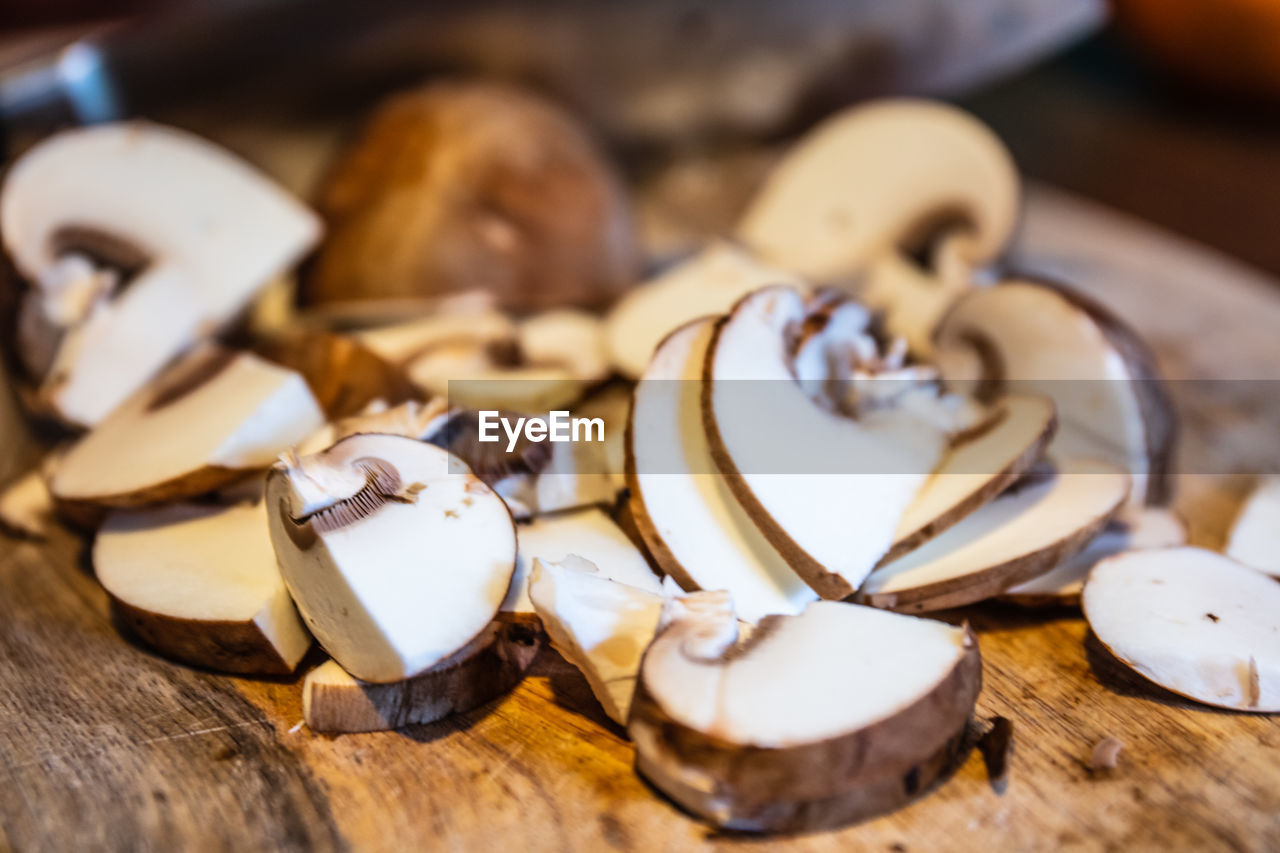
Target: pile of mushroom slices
169, 469
840, 419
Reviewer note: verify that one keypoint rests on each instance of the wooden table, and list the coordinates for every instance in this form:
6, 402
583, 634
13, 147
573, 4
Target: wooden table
104, 745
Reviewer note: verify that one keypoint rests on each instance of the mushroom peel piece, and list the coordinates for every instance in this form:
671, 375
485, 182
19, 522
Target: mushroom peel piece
204, 230
1192, 621
587, 533
765, 735
486, 668
1149, 527
710, 282
1255, 534
600, 625
396, 554
1049, 516
683, 508
980, 464
208, 420
827, 490
200, 584
1033, 336
878, 178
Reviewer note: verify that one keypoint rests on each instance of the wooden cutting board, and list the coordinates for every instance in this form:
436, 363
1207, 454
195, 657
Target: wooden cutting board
102, 744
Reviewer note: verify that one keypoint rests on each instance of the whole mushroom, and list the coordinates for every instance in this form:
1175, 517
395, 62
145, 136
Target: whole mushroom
457, 186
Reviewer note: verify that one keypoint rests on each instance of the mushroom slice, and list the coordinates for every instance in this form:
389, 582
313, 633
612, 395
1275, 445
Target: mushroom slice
765, 735
486, 668
566, 336
880, 177
981, 463
1255, 534
683, 507
26, 507
601, 626
1047, 517
210, 419
345, 376
826, 489
479, 324
1192, 621
589, 534
199, 584
710, 282
1061, 585
396, 554
1036, 337
200, 231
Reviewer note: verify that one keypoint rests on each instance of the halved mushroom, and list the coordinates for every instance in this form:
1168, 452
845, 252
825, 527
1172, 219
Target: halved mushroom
1061, 585
826, 489
766, 735
1192, 621
199, 584
1047, 517
588, 534
208, 420
1034, 337
689, 519
1255, 534
486, 668
901, 200
981, 464
396, 554
708, 283
137, 240
600, 625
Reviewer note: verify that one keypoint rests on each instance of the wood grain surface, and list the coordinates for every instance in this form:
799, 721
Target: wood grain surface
105, 746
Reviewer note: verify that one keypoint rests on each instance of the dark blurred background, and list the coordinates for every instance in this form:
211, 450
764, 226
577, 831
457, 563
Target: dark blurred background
1167, 109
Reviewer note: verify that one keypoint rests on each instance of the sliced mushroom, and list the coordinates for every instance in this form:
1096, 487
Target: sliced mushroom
458, 185
1048, 517
477, 324
588, 534
565, 336
683, 508
710, 282
1255, 534
1192, 621
1033, 337
1146, 528
980, 464
483, 359
827, 490
767, 735
486, 668
396, 554
26, 507
208, 420
137, 240
199, 584
600, 625
881, 178
345, 376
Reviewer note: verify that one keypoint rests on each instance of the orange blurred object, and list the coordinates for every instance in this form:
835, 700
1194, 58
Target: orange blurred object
1228, 45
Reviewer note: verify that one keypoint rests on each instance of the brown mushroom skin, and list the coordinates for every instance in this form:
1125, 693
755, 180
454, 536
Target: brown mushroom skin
487, 668
459, 185
812, 786
221, 645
